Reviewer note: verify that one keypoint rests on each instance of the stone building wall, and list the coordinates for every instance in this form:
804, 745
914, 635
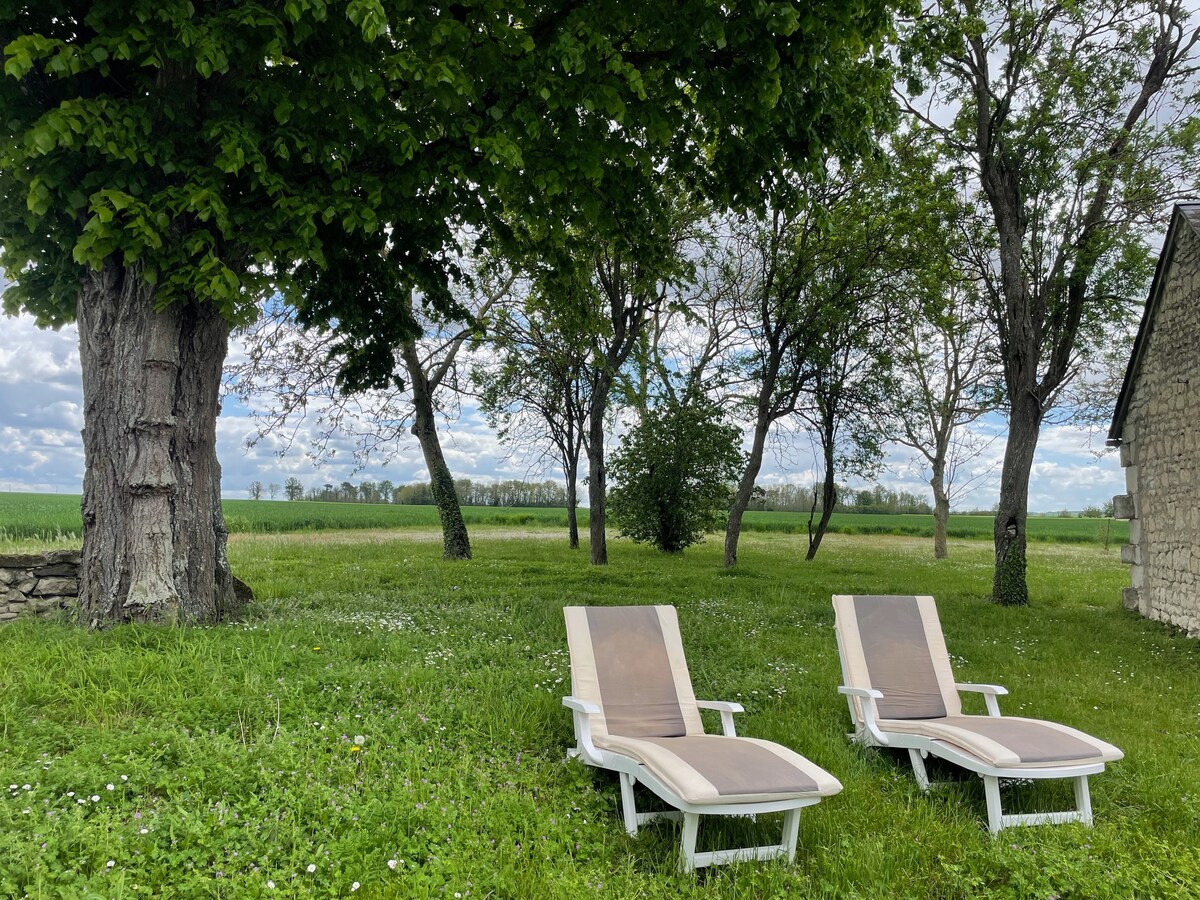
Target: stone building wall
39, 584
1160, 448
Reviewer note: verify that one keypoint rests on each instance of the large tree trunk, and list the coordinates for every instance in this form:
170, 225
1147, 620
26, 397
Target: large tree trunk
941, 510
597, 482
745, 489
1009, 586
153, 531
455, 542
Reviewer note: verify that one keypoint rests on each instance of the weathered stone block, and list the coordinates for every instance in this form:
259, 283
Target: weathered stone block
45, 604
26, 584
1123, 506
1129, 598
7, 576
57, 587
57, 570
10, 597
1128, 453
21, 560
1130, 554
7, 616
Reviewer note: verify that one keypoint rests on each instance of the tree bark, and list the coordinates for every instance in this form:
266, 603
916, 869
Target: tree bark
1009, 587
455, 542
597, 481
828, 500
745, 490
941, 510
153, 532
572, 473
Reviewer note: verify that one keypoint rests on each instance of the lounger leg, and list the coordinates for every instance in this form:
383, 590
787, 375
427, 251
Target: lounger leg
791, 831
687, 845
918, 764
1083, 800
628, 807
991, 790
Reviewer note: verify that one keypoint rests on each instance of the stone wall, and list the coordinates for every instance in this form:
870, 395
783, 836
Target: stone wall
1160, 448
38, 584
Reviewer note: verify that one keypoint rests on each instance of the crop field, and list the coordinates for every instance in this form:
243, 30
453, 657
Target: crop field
382, 723
56, 517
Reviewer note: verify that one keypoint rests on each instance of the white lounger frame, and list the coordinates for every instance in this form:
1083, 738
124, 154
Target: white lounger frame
631, 772
869, 734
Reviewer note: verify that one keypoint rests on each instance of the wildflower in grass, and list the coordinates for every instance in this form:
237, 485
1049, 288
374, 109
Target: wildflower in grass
312, 867
110, 864
315, 649
95, 798
356, 749
109, 787
355, 886
271, 885
359, 740
391, 864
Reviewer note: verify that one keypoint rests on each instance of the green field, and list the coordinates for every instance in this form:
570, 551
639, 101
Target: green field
55, 517
217, 762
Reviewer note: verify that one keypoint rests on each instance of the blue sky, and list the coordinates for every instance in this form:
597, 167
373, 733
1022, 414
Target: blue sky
41, 415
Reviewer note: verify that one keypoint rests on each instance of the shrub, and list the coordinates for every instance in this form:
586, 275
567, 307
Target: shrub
673, 473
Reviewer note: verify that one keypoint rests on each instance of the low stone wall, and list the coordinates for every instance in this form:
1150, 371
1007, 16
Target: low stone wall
39, 584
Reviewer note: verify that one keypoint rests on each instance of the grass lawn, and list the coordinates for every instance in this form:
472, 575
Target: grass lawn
215, 762
56, 518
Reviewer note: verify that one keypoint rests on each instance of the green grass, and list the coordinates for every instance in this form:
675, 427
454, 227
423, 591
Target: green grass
56, 517
235, 742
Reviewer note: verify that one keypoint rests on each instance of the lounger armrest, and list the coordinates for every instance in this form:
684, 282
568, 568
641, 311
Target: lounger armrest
581, 709
868, 696
990, 693
726, 708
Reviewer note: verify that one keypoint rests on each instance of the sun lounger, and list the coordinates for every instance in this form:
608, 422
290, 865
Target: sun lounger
902, 694
635, 714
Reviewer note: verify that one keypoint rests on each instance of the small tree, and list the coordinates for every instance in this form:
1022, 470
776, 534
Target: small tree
273, 490
255, 490
293, 489
673, 472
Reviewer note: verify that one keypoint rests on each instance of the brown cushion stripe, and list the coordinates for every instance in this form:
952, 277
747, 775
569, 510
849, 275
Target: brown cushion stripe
736, 767
637, 688
897, 657
1032, 741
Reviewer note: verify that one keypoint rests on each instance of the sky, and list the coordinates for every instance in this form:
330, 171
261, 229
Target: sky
41, 415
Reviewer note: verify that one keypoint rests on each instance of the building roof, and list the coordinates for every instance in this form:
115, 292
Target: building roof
1185, 215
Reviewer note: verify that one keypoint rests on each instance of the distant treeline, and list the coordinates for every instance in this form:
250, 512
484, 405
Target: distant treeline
470, 493
880, 500
553, 494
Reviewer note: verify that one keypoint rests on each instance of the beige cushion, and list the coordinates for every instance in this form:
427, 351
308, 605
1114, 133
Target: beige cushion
711, 768
1010, 741
895, 642
629, 661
